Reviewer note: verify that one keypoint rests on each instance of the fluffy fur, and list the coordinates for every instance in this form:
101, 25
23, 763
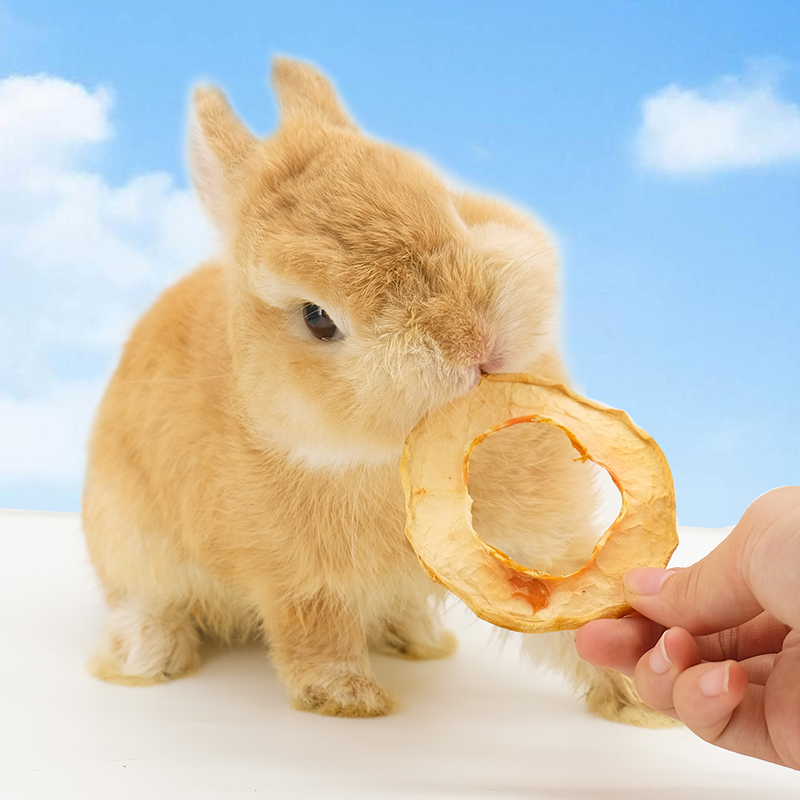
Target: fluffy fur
243, 475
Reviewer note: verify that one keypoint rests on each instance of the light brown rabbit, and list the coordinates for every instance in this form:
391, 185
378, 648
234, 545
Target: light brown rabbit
243, 468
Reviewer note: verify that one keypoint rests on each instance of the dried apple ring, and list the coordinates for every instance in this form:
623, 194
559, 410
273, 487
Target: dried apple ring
435, 469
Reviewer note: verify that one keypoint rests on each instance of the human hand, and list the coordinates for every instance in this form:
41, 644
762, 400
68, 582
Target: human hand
717, 645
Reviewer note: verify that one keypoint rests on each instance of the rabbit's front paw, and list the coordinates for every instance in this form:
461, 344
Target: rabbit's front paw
140, 648
340, 691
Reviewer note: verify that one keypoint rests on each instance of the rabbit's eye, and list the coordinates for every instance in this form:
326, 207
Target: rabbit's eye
319, 323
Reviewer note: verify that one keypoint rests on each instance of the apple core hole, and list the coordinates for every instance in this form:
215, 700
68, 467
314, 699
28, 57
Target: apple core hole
536, 500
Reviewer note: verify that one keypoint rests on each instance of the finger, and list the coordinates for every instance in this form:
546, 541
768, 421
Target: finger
705, 598
715, 701
660, 667
782, 702
771, 559
617, 643
759, 668
760, 635
754, 568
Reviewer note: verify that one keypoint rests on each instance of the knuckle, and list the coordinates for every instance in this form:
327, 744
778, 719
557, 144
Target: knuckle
728, 642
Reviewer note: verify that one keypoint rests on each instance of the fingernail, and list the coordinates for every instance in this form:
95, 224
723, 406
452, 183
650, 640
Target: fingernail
646, 581
714, 681
659, 660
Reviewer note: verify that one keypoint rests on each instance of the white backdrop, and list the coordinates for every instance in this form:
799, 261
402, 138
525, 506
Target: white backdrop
478, 725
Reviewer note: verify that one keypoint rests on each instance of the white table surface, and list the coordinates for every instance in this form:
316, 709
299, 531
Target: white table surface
481, 724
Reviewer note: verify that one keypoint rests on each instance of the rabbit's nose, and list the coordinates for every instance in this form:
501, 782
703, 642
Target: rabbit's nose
469, 342
486, 356
485, 353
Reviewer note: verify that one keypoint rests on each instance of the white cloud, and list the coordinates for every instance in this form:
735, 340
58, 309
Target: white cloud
736, 122
80, 258
46, 121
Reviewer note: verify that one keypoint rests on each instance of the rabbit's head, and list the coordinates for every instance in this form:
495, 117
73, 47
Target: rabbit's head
364, 291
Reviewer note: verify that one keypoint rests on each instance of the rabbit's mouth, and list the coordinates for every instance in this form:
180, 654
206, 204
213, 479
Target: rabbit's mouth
495, 361
492, 366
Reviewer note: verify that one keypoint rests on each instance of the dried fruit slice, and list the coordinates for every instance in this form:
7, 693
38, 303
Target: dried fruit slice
439, 524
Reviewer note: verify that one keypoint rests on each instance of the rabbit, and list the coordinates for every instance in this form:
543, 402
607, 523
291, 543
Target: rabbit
242, 477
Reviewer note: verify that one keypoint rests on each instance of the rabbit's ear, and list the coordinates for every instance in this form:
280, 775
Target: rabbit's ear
219, 145
304, 92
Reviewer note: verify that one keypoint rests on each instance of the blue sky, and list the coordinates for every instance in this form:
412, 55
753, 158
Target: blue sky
661, 143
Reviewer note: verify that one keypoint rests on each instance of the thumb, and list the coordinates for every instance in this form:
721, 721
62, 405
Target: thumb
707, 597
737, 580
